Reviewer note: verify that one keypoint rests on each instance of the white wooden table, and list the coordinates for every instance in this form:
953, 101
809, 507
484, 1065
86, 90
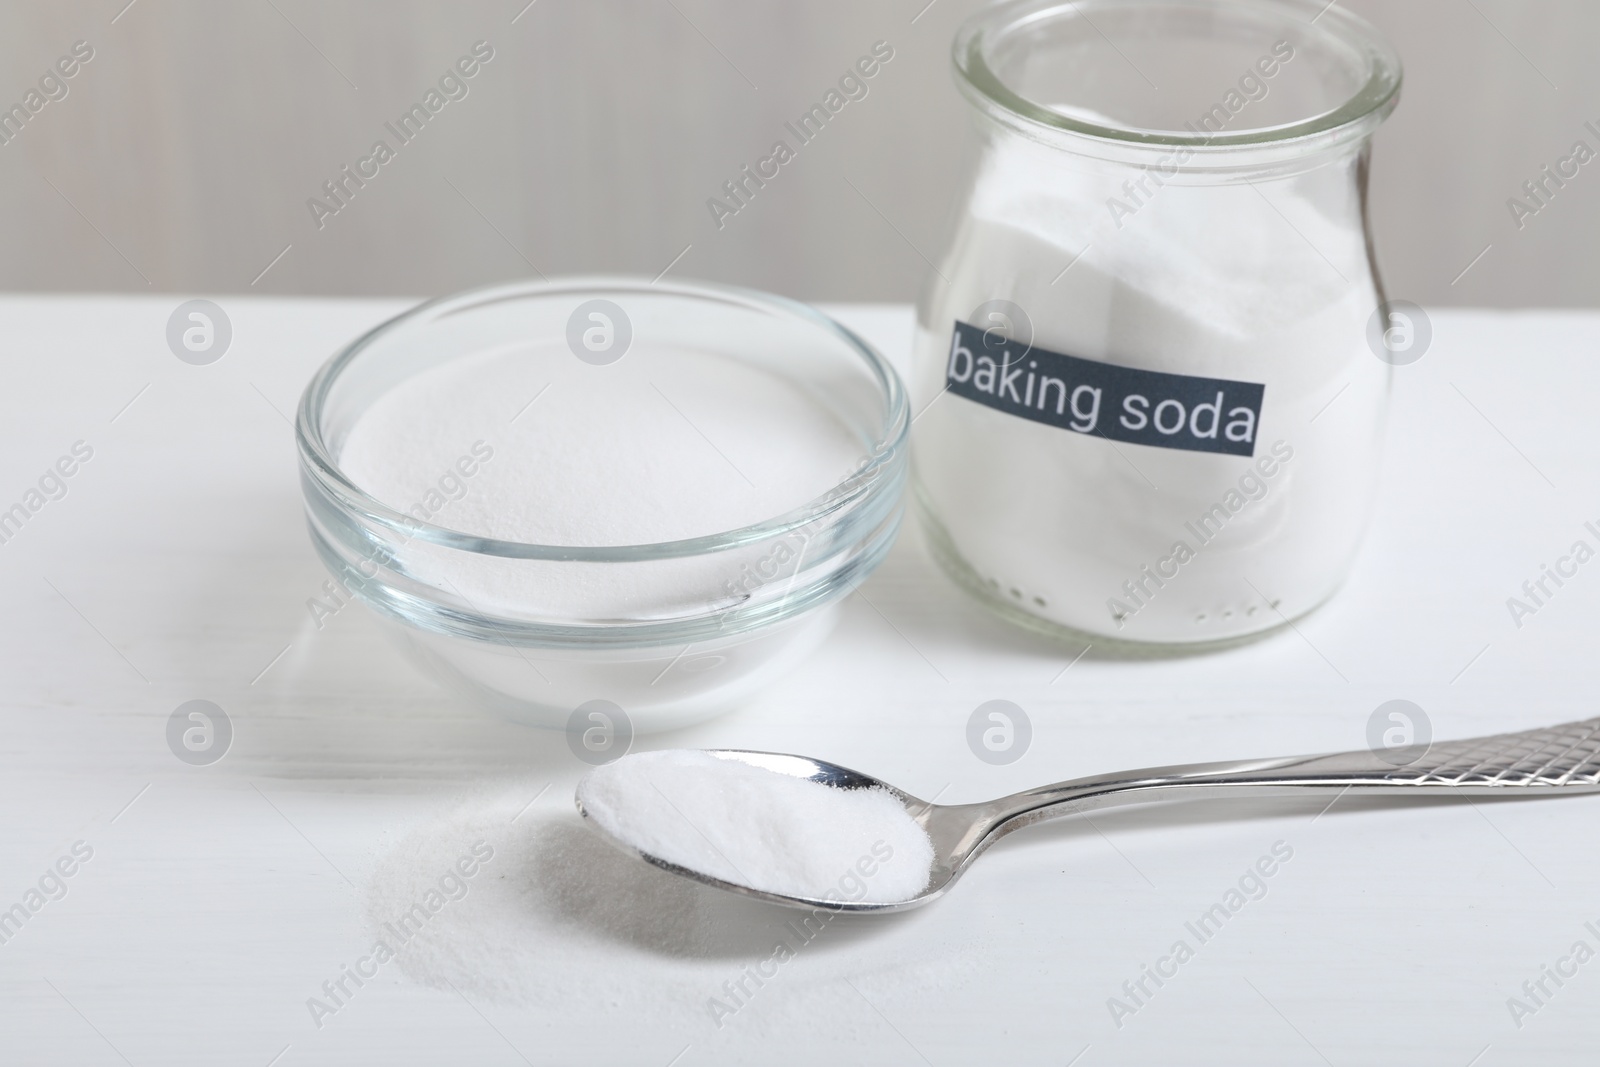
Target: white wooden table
218, 899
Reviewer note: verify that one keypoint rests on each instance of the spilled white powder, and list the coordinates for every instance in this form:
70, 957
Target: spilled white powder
760, 828
561, 922
665, 444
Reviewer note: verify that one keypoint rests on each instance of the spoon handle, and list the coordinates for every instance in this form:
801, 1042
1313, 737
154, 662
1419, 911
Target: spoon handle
1553, 760
1550, 757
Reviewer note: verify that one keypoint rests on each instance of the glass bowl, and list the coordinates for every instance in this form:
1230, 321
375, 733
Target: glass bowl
670, 632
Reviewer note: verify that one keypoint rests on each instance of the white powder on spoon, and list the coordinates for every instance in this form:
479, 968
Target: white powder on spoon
764, 829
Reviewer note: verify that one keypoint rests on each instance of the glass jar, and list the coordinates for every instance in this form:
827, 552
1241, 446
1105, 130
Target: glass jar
1149, 408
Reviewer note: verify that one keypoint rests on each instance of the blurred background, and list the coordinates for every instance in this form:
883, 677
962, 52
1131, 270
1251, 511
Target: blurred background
182, 154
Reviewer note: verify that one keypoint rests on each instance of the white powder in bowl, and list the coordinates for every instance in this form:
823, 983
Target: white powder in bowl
755, 827
534, 446
663, 445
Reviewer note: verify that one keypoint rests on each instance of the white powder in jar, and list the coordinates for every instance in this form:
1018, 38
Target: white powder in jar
540, 448
760, 828
1267, 284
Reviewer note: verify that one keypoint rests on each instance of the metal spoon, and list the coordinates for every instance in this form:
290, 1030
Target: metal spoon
1556, 761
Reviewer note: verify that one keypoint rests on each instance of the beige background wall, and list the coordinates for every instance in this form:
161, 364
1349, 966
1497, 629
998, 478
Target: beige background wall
184, 153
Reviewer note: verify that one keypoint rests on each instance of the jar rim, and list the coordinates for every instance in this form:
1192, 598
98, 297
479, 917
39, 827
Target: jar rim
1353, 118
874, 474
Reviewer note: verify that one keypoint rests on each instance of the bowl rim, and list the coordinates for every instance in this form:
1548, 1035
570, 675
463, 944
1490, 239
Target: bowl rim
875, 470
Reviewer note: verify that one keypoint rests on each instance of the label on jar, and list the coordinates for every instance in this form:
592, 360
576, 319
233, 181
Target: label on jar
1142, 407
